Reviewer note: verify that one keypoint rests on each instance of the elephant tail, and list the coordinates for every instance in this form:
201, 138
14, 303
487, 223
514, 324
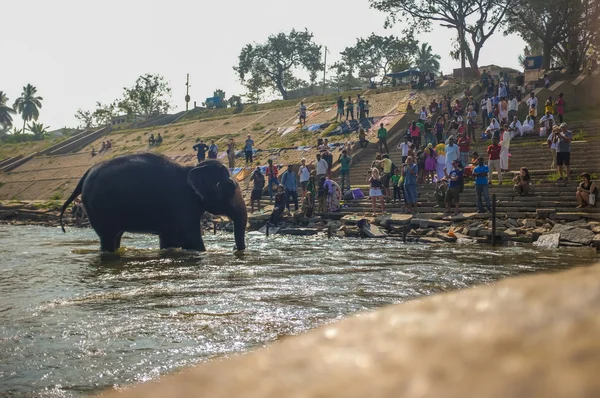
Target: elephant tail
74, 195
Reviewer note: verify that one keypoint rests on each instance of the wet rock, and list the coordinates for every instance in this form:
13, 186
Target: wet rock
550, 241
510, 233
425, 223
522, 239
579, 224
512, 222
446, 237
473, 232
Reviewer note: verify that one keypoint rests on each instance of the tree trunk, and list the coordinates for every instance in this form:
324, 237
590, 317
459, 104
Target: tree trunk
474, 58
547, 53
461, 43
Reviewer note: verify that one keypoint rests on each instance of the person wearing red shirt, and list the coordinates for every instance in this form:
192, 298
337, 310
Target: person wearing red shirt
494, 160
464, 148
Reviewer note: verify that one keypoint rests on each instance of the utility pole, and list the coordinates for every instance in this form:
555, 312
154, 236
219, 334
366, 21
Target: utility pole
324, 69
187, 92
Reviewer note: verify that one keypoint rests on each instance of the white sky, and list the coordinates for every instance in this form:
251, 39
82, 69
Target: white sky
77, 52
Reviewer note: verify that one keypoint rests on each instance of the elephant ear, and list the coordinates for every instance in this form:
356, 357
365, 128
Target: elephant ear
200, 181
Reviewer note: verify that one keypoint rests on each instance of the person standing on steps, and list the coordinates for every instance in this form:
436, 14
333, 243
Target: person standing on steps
454, 186
404, 147
552, 141
375, 190
563, 151
387, 165
494, 160
382, 135
532, 105
257, 190
328, 157
304, 174
321, 167
201, 148
213, 150
560, 107
410, 184
349, 108
289, 182
505, 152
485, 102
248, 149
452, 153
271, 174
513, 108
481, 185
345, 162
231, 153
464, 148
361, 107
415, 134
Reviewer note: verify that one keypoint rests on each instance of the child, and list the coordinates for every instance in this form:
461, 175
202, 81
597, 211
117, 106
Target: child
396, 183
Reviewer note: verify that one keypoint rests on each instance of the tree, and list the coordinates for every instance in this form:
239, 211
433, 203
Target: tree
28, 104
236, 101
149, 96
104, 113
6, 113
274, 62
38, 130
473, 20
560, 30
375, 55
86, 118
426, 60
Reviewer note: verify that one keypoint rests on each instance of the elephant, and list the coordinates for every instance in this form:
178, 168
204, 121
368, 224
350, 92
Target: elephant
149, 193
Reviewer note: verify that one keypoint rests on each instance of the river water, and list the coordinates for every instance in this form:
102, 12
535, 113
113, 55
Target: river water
73, 323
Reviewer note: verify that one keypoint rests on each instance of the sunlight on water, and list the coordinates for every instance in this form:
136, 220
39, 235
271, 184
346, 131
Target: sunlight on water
73, 322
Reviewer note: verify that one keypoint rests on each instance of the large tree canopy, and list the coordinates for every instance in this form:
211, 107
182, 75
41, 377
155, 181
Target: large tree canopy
274, 62
150, 95
473, 20
375, 55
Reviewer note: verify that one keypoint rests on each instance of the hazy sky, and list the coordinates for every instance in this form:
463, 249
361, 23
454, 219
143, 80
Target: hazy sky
79, 52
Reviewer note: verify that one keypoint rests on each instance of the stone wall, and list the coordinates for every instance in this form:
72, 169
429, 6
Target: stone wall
534, 336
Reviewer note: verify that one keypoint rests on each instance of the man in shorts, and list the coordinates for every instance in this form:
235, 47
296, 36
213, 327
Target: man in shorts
302, 111
563, 151
340, 109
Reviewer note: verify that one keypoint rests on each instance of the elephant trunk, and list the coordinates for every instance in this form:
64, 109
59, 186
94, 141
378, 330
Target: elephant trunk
240, 219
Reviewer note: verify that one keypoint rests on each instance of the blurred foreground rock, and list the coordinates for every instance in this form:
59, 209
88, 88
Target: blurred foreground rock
533, 336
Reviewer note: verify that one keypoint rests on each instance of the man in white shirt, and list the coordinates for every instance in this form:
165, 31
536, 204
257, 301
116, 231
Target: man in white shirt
404, 146
321, 167
304, 174
532, 104
513, 107
485, 110
546, 123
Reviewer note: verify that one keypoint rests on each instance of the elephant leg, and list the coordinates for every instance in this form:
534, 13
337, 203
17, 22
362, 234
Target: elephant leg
193, 241
118, 240
108, 242
166, 241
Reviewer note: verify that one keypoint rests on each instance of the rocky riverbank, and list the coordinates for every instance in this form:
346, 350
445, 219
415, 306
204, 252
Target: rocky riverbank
462, 229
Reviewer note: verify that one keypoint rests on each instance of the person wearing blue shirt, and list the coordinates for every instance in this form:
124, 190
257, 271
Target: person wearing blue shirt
248, 149
411, 170
481, 185
454, 186
288, 180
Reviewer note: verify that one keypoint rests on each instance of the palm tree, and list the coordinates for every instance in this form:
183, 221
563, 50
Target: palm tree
426, 60
5, 112
28, 104
38, 130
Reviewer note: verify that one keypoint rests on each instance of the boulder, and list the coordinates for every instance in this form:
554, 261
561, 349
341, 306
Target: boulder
510, 233
579, 224
426, 223
596, 229
574, 235
528, 223
549, 241
446, 237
